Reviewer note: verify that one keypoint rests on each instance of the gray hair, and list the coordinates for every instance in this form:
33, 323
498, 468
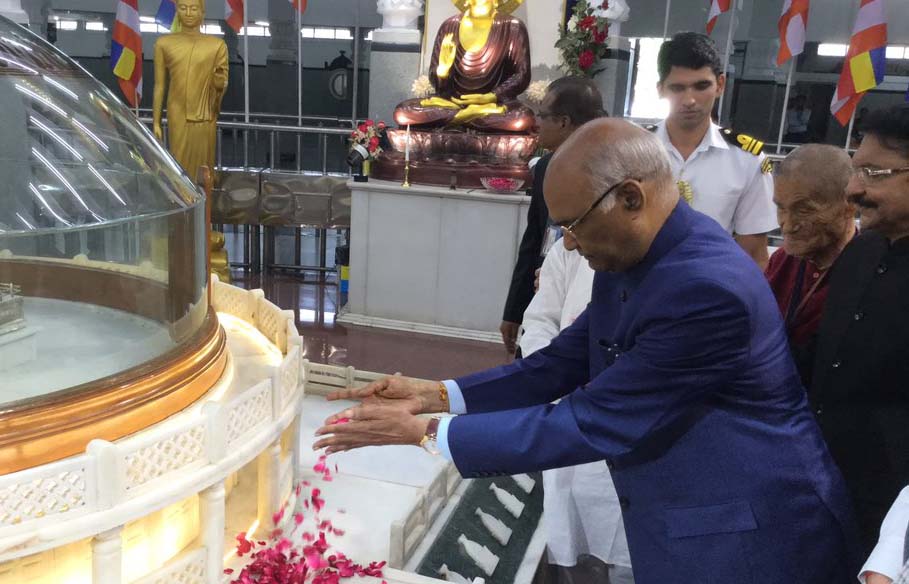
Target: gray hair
821, 169
641, 157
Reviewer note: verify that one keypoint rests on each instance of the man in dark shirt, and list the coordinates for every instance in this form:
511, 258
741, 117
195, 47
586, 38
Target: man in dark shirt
860, 390
570, 102
817, 222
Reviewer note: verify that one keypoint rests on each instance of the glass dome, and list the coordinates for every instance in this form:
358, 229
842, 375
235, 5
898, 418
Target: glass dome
102, 236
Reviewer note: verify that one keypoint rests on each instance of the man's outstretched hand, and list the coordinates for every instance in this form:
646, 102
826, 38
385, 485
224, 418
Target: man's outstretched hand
402, 393
370, 425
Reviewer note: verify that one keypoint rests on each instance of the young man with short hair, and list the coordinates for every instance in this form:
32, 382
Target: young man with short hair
729, 176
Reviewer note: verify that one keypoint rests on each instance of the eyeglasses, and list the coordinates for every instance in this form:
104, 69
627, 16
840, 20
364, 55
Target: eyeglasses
574, 224
868, 175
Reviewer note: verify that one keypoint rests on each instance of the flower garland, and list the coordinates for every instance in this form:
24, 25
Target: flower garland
276, 562
368, 136
583, 41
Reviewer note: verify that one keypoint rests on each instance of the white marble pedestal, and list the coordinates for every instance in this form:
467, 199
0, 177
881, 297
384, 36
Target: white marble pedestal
432, 260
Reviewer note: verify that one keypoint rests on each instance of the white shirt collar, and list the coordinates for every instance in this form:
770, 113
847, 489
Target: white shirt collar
712, 139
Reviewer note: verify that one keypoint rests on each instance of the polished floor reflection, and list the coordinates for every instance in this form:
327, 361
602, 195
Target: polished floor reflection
371, 349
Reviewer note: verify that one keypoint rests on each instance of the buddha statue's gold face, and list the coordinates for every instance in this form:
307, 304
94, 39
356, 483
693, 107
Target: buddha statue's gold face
481, 8
191, 13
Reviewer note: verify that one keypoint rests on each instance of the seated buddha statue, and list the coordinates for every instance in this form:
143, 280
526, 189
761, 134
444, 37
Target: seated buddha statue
480, 64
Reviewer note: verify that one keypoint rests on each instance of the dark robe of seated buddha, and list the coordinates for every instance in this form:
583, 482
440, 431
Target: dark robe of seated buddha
501, 67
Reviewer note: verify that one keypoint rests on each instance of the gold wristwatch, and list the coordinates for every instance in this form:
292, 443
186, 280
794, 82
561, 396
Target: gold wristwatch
430, 440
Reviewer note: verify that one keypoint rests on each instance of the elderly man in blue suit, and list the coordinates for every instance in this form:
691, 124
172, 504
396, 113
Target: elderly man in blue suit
678, 375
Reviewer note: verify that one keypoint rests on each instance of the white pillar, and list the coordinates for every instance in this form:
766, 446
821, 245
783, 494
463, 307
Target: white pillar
211, 531
107, 557
12, 9
269, 499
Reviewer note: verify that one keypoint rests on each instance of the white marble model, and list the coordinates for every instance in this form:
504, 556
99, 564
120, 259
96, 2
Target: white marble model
480, 554
511, 503
495, 527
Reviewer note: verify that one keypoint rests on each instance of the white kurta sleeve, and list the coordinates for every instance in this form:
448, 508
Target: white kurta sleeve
543, 316
887, 556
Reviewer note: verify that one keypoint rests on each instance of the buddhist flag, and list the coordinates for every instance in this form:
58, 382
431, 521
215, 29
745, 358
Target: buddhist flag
299, 5
233, 14
865, 61
793, 24
717, 7
126, 50
167, 15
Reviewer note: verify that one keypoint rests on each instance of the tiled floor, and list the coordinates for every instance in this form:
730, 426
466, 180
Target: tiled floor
370, 349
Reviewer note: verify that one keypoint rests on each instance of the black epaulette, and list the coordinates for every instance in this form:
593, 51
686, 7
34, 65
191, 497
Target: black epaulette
651, 127
743, 141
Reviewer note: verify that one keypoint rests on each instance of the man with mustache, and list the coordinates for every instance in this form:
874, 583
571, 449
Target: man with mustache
729, 176
817, 222
859, 392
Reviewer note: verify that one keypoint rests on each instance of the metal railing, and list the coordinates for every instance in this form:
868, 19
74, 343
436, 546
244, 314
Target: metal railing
317, 148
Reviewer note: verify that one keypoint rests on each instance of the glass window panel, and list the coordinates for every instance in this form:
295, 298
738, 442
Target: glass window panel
895, 52
647, 103
832, 50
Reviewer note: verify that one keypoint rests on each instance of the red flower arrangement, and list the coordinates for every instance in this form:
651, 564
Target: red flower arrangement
582, 42
276, 561
368, 136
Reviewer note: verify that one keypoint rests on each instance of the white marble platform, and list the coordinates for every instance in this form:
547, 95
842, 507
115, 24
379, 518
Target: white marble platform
430, 259
403, 465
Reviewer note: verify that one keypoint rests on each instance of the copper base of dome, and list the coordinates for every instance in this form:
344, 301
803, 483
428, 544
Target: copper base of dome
58, 425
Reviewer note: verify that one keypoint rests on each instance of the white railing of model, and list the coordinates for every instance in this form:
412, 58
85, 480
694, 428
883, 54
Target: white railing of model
407, 533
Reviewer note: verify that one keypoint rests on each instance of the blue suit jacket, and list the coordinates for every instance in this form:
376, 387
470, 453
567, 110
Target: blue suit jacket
679, 376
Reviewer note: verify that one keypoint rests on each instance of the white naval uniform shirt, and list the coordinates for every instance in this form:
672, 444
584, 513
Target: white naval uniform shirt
728, 183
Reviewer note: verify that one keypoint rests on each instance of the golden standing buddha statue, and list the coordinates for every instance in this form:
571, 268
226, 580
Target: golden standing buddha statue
192, 68
480, 64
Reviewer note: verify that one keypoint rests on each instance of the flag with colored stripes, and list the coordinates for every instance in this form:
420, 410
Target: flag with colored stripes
233, 14
167, 15
299, 5
717, 7
865, 62
792, 25
126, 50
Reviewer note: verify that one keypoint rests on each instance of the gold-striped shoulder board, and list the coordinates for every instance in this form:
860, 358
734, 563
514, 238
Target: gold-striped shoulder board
743, 141
767, 166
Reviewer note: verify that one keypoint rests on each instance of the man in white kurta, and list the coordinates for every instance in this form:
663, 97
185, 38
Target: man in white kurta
581, 511
886, 562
